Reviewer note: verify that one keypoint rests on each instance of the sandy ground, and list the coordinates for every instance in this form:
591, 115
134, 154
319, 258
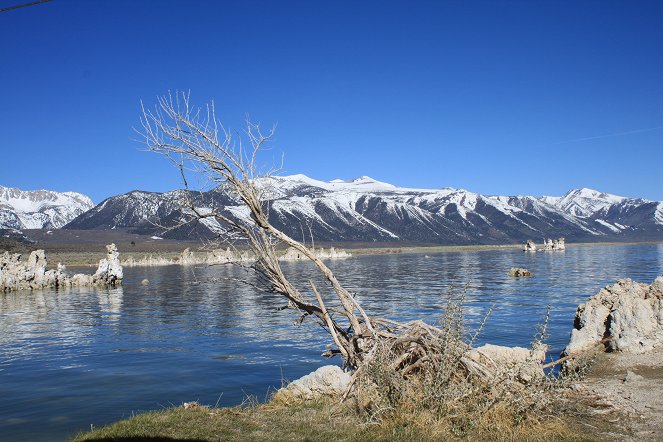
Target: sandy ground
624, 393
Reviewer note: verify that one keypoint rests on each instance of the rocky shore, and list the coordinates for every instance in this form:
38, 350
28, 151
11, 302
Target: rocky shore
617, 339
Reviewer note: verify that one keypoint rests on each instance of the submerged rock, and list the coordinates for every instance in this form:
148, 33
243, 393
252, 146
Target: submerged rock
517, 272
626, 316
329, 380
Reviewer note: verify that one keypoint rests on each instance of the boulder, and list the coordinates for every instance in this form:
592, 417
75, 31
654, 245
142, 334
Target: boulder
522, 364
329, 380
517, 272
626, 316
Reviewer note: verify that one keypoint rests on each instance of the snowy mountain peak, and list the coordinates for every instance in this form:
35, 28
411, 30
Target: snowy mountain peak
583, 202
586, 192
40, 209
362, 183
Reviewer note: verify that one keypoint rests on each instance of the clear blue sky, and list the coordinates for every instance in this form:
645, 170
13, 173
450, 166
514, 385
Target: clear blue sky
498, 97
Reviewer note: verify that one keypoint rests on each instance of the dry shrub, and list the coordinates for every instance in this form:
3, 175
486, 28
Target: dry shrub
449, 395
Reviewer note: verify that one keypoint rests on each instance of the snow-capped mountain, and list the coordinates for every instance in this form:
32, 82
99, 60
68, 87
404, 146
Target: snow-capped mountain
39, 209
366, 210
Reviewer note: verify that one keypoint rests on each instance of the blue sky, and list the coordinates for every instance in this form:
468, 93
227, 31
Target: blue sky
498, 97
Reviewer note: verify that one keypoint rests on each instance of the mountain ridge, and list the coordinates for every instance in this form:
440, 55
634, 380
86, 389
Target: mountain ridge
365, 209
40, 209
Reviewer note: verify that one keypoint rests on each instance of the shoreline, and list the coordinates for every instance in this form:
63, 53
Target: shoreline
85, 258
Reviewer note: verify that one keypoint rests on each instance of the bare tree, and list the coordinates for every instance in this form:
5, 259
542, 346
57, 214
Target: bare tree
194, 139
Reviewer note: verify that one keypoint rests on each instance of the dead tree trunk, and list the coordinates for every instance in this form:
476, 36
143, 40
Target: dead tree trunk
195, 140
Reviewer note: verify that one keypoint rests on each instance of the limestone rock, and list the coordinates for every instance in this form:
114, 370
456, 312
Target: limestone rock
109, 271
626, 316
328, 380
293, 254
518, 363
187, 257
517, 272
16, 274
530, 246
554, 244
632, 377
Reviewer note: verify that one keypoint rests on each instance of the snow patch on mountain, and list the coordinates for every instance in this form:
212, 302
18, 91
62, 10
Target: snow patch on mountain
583, 202
40, 209
608, 225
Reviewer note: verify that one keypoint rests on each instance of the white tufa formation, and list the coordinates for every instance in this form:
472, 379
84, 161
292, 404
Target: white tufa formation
530, 246
16, 274
328, 380
626, 316
293, 254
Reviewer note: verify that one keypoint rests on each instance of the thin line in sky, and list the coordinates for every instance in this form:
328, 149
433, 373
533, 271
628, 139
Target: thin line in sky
23, 5
618, 134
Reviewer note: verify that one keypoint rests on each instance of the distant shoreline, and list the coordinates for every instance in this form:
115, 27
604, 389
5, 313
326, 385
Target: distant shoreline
88, 253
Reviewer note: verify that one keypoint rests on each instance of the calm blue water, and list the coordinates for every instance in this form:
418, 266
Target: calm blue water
69, 360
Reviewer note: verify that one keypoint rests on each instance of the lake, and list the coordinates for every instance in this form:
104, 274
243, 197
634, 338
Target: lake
74, 359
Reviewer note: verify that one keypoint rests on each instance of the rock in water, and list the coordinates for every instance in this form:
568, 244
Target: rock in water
16, 274
329, 380
109, 271
554, 244
626, 316
517, 272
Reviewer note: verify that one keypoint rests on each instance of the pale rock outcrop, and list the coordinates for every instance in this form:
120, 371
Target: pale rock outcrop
109, 271
530, 246
16, 274
626, 316
329, 380
147, 261
554, 244
522, 364
187, 257
293, 254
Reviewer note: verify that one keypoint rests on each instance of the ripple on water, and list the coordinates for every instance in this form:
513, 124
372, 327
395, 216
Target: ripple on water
74, 358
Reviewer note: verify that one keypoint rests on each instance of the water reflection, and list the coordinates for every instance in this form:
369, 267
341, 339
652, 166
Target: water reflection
194, 333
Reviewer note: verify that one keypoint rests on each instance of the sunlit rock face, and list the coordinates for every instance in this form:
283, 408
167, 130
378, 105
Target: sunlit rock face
626, 316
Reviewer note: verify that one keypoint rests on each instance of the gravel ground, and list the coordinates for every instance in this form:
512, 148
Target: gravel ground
625, 392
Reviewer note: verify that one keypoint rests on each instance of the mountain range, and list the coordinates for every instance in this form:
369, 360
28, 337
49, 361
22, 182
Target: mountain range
39, 209
367, 210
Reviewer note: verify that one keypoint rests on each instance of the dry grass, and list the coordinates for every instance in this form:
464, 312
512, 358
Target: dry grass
447, 398
326, 420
